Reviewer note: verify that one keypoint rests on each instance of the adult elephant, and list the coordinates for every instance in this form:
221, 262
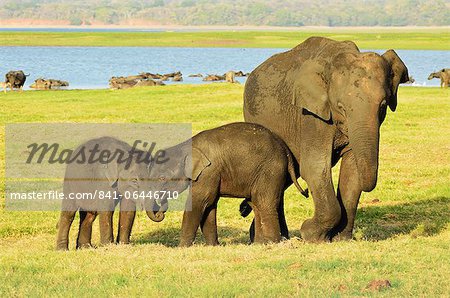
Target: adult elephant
327, 100
16, 79
443, 74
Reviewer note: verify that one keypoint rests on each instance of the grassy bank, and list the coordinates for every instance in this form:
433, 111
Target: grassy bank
402, 229
433, 39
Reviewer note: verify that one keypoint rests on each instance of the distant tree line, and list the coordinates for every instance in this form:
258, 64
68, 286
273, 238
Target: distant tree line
226, 12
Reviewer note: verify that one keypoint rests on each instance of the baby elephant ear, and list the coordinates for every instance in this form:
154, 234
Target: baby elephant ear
195, 163
399, 75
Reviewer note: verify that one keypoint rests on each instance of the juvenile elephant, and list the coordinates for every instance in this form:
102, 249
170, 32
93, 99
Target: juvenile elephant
16, 79
236, 160
105, 179
327, 100
443, 74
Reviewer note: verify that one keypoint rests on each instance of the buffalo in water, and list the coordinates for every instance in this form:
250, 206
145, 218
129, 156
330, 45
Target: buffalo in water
16, 79
48, 84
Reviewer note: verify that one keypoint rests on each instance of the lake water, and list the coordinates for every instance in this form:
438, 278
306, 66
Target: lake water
92, 67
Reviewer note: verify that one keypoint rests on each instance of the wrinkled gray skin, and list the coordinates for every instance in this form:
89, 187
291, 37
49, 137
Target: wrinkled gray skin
107, 177
236, 160
443, 74
16, 79
327, 100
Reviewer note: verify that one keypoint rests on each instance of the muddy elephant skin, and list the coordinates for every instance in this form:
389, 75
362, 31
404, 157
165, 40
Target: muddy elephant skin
235, 160
327, 100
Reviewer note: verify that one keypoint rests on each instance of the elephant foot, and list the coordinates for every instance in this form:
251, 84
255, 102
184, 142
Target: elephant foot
184, 243
343, 236
311, 232
62, 247
212, 242
85, 246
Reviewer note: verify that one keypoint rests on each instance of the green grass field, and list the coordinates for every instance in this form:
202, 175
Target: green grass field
402, 230
426, 39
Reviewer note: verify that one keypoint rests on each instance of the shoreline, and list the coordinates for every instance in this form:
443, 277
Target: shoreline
227, 28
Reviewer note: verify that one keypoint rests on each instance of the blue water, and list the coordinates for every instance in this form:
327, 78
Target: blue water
91, 67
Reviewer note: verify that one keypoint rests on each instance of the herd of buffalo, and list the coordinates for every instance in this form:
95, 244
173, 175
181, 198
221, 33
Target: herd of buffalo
15, 79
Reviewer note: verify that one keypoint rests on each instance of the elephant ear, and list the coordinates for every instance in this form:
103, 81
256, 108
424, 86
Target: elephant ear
399, 75
195, 163
310, 91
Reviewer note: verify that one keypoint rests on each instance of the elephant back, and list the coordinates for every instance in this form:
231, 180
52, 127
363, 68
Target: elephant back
273, 80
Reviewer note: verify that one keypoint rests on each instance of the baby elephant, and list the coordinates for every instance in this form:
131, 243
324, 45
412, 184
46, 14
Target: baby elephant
241, 160
103, 173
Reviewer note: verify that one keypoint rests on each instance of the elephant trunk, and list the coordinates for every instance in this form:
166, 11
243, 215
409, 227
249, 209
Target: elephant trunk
158, 215
364, 142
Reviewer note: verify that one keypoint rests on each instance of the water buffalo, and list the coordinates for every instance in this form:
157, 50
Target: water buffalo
16, 79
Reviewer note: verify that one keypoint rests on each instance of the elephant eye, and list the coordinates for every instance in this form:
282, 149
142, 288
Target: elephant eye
135, 180
162, 178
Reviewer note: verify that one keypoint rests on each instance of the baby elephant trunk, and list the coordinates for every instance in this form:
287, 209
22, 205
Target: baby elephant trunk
157, 215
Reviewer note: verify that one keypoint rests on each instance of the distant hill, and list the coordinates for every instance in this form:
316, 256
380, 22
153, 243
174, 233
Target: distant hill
223, 12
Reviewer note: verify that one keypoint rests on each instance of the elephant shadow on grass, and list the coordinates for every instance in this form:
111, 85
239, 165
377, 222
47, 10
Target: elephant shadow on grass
374, 222
421, 218
170, 237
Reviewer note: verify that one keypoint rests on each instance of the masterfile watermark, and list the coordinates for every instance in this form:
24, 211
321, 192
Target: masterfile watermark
93, 167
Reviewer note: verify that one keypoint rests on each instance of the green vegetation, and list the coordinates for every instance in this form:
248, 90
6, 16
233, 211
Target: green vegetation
435, 39
223, 12
402, 230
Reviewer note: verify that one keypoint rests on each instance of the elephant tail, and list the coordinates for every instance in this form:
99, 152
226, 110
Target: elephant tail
291, 170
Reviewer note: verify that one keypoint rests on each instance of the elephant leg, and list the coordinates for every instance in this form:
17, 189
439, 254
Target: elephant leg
189, 226
256, 233
191, 222
282, 219
316, 170
327, 211
85, 231
266, 214
209, 225
349, 192
201, 197
314, 155
270, 227
65, 221
251, 231
126, 220
106, 227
